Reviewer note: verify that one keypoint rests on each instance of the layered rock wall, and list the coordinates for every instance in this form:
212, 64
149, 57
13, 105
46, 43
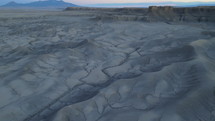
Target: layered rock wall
154, 13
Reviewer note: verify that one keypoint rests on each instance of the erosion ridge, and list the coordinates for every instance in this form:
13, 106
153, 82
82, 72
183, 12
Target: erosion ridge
155, 13
70, 65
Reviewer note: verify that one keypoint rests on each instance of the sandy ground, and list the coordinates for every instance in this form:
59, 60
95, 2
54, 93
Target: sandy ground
69, 66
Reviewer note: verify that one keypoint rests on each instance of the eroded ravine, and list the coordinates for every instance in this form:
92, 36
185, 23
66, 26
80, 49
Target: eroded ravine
66, 68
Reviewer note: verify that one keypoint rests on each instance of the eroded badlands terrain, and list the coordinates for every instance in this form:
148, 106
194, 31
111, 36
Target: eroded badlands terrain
72, 66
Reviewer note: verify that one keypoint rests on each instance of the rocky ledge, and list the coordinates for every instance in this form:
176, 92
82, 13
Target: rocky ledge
155, 13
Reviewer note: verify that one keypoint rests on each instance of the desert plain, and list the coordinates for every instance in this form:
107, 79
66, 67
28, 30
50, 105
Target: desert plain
107, 64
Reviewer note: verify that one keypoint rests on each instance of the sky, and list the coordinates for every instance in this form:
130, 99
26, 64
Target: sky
87, 2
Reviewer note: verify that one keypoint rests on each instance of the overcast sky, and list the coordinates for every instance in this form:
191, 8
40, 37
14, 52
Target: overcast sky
85, 2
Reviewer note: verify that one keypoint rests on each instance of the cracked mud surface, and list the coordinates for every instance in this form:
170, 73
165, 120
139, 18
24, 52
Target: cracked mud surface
57, 66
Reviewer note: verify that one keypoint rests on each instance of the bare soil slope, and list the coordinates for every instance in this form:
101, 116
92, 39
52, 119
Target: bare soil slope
72, 66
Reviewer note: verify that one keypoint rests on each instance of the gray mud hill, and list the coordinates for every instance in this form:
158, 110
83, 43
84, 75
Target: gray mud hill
90, 64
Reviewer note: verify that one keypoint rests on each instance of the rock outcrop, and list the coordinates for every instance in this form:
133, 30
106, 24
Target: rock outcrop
189, 14
155, 13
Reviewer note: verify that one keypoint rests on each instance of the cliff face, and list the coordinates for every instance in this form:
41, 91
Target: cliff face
155, 13
192, 14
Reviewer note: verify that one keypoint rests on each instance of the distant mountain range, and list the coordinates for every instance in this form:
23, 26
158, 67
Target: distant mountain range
62, 4
41, 4
147, 4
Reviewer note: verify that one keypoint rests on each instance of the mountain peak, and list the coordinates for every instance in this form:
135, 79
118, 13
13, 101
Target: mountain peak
12, 2
38, 4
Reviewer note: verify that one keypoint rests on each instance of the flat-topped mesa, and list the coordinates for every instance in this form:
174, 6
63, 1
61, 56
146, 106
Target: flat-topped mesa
159, 8
105, 9
160, 13
187, 14
156, 13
